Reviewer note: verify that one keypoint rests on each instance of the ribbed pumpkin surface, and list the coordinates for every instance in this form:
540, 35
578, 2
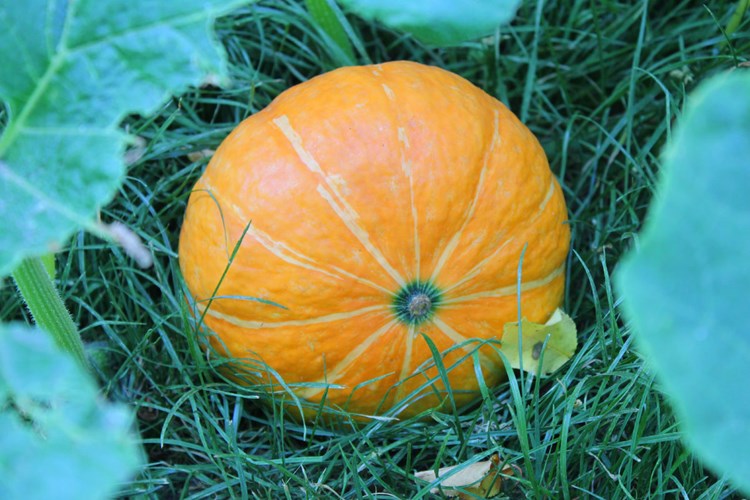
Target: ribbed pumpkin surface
387, 204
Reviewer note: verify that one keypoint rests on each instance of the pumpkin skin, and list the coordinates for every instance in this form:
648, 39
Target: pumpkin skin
386, 204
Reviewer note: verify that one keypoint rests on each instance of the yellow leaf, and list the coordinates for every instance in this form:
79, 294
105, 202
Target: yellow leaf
560, 336
480, 479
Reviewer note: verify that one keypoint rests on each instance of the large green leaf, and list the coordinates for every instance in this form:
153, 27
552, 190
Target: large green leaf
72, 71
440, 22
59, 439
686, 289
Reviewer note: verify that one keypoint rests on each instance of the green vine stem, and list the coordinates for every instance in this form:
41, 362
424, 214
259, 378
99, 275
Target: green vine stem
46, 306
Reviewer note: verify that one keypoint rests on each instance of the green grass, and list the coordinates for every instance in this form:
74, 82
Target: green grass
600, 83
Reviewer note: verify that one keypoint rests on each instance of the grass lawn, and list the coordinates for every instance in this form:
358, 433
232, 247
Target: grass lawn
600, 83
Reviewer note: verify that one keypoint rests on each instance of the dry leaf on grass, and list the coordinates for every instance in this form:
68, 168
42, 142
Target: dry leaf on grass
480, 479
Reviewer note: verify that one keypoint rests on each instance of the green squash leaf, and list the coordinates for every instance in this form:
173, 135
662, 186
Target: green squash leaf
551, 344
686, 290
439, 22
59, 439
79, 67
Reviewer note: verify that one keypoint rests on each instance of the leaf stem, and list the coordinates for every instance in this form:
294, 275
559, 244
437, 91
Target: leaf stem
46, 306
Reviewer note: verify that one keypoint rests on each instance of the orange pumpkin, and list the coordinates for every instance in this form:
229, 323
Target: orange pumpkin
388, 205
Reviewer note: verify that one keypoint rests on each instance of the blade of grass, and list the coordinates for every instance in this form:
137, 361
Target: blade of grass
322, 11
